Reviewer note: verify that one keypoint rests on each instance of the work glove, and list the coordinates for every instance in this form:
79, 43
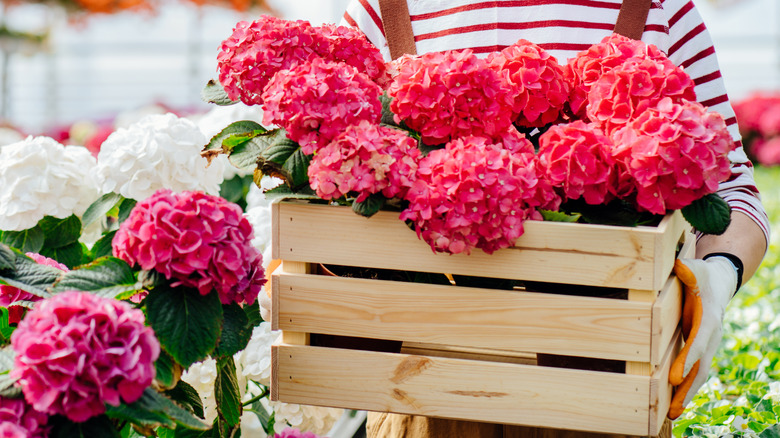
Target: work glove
708, 285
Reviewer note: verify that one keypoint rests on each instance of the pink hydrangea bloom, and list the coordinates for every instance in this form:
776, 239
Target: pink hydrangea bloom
752, 113
316, 101
289, 432
77, 351
536, 80
350, 45
577, 158
10, 294
11, 430
515, 142
18, 413
250, 57
203, 241
675, 153
365, 159
628, 90
446, 95
475, 194
767, 152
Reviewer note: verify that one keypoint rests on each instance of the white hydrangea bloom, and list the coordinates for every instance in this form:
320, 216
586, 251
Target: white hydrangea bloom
218, 118
159, 151
201, 376
315, 419
40, 177
9, 136
255, 360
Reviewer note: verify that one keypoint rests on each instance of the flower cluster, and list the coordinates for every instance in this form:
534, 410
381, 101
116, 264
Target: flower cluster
200, 240
316, 101
77, 351
159, 151
365, 159
475, 194
350, 46
577, 157
447, 95
40, 177
10, 294
759, 124
675, 154
536, 80
20, 418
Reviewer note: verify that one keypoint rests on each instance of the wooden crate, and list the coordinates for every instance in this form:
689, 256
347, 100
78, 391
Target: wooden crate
469, 353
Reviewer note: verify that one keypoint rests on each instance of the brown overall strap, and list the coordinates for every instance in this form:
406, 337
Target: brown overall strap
398, 27
632, 18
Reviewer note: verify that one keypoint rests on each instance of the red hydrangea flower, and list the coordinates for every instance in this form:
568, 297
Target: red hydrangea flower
588, 66
250, 57
200, 240
515, 142
316, 101
350, 45
11, 430
10, 294
577, 158
752, 113
628, 90
474, 194
536, 79
16, 412
675, 153
365, 159
767, 152
77, 351
289, 432
446, 95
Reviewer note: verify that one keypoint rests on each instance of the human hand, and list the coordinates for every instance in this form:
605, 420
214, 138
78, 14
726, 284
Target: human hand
709, 285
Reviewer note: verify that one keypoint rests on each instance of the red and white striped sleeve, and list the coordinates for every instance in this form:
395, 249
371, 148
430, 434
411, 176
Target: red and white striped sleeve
691, 47
364, 15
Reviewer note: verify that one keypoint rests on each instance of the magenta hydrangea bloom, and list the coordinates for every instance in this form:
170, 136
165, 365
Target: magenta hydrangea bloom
77, 351
289, 432
475, 194
256, 51
11, 430
10, 294
349, 45
446, 95
536, 80
202, 241
30, 422
577, 158
365, 159
585, 69
316, 101
675, 153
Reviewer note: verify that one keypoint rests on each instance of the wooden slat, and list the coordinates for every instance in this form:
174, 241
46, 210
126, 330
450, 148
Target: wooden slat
457, 352
660, 390
468, 317
673, 230
667, 311
452, 388
597, 255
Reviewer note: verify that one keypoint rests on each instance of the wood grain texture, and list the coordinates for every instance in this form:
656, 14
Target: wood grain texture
598, 255
468, 317
451, 388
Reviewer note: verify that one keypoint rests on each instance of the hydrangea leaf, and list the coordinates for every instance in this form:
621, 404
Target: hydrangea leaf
31, 277
559, 216
236, 331
187, 323
5, 329
388, 118
285, 192
369, 206
280, 150
102, 247
60, 232
7, 258
106, 277
235, 189
100, 208
214, 93
185, 395
70, 255
709, 214
136, 414
96, 427
168, 372
153, 402
235, 128
226, 392
252, 312
30, 240
125, 207
297, 169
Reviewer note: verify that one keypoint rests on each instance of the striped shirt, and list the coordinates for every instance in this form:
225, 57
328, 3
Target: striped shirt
564, 28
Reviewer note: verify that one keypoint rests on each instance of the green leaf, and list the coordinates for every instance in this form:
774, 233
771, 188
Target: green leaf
387, 114
185, 395
252, 312
125, 207
236, 331
7, 356
96, 427
5, 328
709, 214
153, 402
7, 258
30, 240
214, 93
285, 192
69, 255
31, 277
280, 150
167, 372
771, 432
559, 216
107, 277
235, 128
235, 189
297, 169
103, 248
369, 206
100, 208
187, 323
136, 413
59, 233
226, 392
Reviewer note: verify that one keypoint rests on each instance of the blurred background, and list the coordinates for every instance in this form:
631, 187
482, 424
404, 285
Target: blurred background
65, 61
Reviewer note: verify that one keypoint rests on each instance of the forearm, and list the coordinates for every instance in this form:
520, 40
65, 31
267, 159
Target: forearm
744, 238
